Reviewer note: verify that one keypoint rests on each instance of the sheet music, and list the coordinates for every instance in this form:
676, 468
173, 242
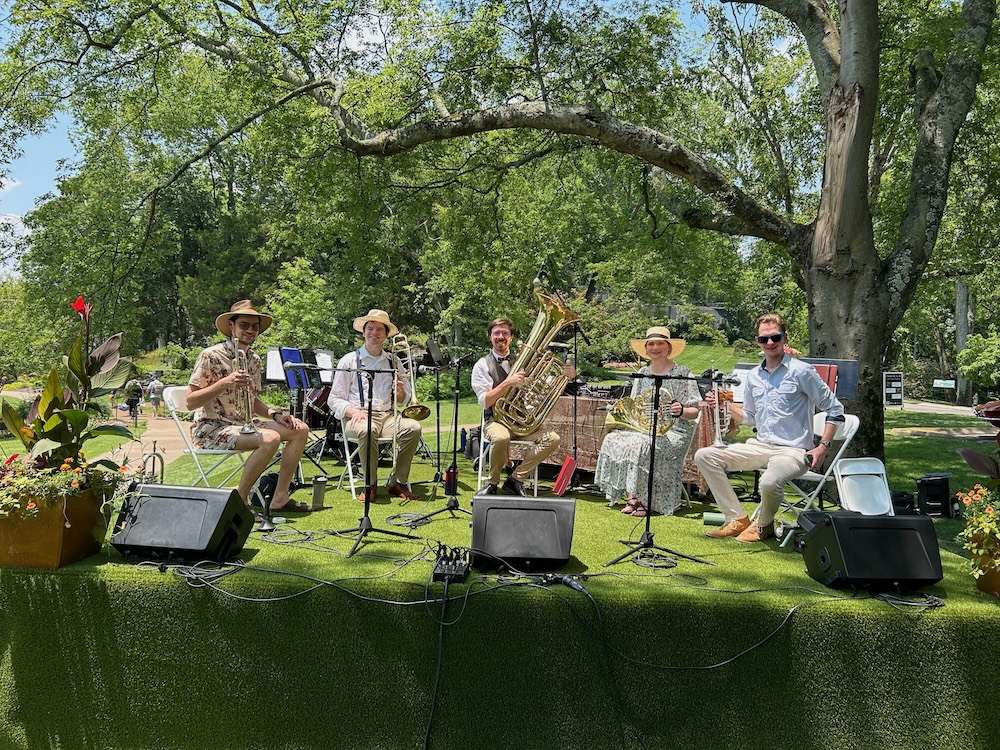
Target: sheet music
326, 362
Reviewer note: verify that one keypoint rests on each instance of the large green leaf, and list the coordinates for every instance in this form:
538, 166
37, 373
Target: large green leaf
105, 382
15, 424
52, 396
74, 419
105, 357
75, 365
119, 430
44, 446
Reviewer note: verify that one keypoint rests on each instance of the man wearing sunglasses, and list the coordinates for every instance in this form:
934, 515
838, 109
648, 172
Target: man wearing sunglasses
217, 393
781, 396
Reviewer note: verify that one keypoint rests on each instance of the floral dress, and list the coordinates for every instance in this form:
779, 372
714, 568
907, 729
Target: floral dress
623, 462
217, 424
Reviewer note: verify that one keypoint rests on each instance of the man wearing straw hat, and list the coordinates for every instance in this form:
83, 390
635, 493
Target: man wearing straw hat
216, 391
348, 402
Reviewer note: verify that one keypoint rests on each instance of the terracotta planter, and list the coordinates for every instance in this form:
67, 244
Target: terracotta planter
66, 531
989, 582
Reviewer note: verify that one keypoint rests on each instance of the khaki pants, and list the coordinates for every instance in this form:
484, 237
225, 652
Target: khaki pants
384, 426
780, 463
542, 444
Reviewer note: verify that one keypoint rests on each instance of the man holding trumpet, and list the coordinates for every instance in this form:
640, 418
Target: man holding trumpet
223, 392
348, 402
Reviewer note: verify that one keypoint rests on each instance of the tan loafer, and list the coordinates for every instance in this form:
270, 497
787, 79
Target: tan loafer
756, 533
733, 528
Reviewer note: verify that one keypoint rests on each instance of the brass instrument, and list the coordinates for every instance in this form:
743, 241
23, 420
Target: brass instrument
523, 410
636, 414
723, 398
245, 396
400, 346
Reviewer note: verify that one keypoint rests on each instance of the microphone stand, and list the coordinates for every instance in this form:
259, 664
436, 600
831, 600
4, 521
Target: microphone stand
646, 540
451, 475
365, 527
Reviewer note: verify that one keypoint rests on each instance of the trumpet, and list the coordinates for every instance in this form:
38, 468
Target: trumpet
723, 397
244, 395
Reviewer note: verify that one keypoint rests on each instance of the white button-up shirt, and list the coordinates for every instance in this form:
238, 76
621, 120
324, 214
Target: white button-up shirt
344, 390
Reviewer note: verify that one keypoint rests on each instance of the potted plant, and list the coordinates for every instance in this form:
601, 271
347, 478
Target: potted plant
52, 498
981, 535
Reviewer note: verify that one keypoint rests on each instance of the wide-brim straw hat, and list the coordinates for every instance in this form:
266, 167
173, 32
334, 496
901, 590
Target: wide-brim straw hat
243, 307
379, 316
658, 333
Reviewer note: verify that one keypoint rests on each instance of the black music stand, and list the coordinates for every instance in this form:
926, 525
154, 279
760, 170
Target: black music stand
365, 527
646, 540
300, 374
451, 475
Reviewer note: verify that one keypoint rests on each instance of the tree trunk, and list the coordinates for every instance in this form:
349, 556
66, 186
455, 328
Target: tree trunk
964, 325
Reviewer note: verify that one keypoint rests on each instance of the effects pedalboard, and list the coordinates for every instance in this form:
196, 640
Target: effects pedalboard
452, 565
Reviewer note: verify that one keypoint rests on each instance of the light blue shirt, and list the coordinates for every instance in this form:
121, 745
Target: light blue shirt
781, 404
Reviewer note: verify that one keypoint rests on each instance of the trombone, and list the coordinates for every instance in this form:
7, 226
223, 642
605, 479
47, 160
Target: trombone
403, 365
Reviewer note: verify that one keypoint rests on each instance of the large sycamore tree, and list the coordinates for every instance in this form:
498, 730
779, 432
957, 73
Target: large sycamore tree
858, 215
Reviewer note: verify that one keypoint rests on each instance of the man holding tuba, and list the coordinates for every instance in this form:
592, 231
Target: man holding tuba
491, 379
223, 392
349, 395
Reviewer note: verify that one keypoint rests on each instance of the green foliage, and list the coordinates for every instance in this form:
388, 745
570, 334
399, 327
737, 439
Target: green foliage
305, 315
980, 361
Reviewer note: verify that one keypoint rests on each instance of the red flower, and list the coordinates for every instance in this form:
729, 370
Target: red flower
82, 307
10, 460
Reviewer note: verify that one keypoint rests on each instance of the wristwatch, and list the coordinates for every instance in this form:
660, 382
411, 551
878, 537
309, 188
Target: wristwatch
828, 444
274, 413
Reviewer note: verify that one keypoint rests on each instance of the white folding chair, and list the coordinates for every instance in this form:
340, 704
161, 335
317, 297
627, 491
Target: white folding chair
484, 454
354, 454
862, 486
808, 499
175, 397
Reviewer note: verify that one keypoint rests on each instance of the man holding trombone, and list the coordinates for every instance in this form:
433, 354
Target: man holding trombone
223, 393
348, 402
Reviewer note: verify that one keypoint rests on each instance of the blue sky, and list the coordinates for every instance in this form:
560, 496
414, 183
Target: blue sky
34, 174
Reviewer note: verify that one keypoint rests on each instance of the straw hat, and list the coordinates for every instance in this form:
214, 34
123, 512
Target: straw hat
243, 307
379, 316
658, 333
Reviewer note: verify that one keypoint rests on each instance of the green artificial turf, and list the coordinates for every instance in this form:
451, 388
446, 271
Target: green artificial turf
311, 649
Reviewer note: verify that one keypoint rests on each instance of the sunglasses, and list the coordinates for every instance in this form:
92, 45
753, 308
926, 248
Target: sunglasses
774, 338
248, 326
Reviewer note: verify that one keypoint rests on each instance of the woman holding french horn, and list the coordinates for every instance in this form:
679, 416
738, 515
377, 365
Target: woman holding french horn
623, 463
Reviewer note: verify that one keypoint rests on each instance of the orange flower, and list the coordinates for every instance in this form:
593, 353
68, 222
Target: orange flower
75, 483
123, 469
68, 460
77, 470
967, 500
64, 467
31, 505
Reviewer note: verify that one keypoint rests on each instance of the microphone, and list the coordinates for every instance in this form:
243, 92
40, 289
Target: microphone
427, 369
538, 276
558, 345
300, 366
732, 380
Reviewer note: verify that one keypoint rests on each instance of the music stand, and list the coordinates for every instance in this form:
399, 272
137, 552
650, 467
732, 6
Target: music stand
646, 540
299, 375
452, 492
365, 527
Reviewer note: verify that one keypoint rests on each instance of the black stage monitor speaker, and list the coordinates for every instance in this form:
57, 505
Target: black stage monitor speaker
846, 550
163, 521
526, 534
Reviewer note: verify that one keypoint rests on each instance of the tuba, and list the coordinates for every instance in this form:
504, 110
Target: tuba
636, 414
523, 410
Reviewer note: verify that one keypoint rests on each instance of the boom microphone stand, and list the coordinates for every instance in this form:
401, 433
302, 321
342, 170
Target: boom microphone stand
646, 540
451, 475
364, 527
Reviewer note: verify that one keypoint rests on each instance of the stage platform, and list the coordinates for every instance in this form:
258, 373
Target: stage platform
305, 648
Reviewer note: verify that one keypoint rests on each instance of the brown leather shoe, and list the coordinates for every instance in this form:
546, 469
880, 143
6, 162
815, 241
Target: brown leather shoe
756, 533
399, 489
733, 528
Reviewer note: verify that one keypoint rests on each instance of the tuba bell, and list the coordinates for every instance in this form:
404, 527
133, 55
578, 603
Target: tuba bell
523, 410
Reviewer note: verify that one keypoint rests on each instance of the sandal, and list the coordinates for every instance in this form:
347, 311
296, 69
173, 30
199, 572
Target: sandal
640, 511
630, 507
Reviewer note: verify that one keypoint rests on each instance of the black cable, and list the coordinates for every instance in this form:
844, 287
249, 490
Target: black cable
437, 670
